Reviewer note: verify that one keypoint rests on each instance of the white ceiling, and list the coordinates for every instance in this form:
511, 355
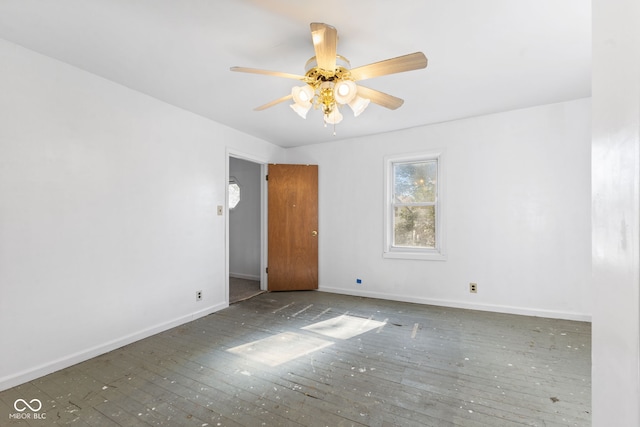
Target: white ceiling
484, 56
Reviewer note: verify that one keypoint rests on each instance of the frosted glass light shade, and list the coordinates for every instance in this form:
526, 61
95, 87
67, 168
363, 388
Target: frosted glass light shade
345, 91
302, 94
334, 117
358, 105
301, 109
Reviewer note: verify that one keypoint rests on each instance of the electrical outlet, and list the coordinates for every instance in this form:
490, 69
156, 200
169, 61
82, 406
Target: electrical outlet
473, 288
198, 295
219, 210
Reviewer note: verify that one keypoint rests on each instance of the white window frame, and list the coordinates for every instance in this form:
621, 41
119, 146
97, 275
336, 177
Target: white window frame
398, 252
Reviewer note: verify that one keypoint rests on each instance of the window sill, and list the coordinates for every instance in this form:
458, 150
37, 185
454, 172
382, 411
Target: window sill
425, 256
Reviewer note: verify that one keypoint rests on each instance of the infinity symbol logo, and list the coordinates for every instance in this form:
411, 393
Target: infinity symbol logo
26, 405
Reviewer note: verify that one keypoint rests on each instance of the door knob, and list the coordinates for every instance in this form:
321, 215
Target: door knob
314, 233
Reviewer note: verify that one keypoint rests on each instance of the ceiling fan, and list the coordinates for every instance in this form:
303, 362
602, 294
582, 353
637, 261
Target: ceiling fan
330, 80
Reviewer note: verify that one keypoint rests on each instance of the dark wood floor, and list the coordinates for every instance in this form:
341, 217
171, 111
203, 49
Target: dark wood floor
318, 359
242, 289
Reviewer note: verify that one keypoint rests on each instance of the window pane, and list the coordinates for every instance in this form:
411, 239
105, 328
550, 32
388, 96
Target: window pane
415, 182
415, 226
234, 195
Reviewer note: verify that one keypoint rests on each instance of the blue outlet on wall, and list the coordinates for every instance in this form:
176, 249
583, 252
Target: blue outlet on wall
359, 281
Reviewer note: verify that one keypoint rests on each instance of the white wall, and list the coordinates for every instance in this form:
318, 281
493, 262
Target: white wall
108, 220
244, 221
518, 223
616, 213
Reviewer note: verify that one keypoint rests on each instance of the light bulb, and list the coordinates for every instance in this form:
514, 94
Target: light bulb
345, 91
302, 94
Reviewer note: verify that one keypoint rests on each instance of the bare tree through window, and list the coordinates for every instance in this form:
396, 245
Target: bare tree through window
414, 204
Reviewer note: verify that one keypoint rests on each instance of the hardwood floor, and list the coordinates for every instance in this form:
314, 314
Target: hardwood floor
319, 359
242, 289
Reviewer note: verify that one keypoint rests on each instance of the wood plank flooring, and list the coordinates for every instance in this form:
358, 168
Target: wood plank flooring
357, 362
242, 289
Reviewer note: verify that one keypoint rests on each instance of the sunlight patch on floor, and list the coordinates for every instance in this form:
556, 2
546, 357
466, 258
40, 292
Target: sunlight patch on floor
281, 348
344, 327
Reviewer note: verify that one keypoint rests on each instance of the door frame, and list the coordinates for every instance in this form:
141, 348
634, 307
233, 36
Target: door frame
263, 162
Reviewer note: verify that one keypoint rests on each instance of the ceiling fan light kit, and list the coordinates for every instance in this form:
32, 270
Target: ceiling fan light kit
358, 105
330, 83
302, 110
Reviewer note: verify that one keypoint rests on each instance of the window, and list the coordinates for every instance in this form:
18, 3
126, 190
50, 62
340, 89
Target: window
413, 212
234, 193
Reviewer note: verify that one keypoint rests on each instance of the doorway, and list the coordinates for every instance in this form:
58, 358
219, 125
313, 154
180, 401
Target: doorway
247, 226
245, 229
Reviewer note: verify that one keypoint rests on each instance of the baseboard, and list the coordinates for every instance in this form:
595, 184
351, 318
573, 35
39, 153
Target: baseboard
81, 356
244, 276
551, 314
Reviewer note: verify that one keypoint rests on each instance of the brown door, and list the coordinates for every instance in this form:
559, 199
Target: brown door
293, 227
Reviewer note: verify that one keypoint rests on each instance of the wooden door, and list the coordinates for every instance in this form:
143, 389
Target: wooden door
293, 227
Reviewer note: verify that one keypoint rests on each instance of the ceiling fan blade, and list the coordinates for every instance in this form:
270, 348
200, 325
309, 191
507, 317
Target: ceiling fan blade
272, 103
267, 73
325, 43
380, 98
412, 61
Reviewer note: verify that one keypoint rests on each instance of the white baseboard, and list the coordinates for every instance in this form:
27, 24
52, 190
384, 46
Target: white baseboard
581, 317
244, 276
74, 358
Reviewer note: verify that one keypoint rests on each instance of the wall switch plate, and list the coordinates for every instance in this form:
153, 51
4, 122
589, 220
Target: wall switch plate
219, 210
